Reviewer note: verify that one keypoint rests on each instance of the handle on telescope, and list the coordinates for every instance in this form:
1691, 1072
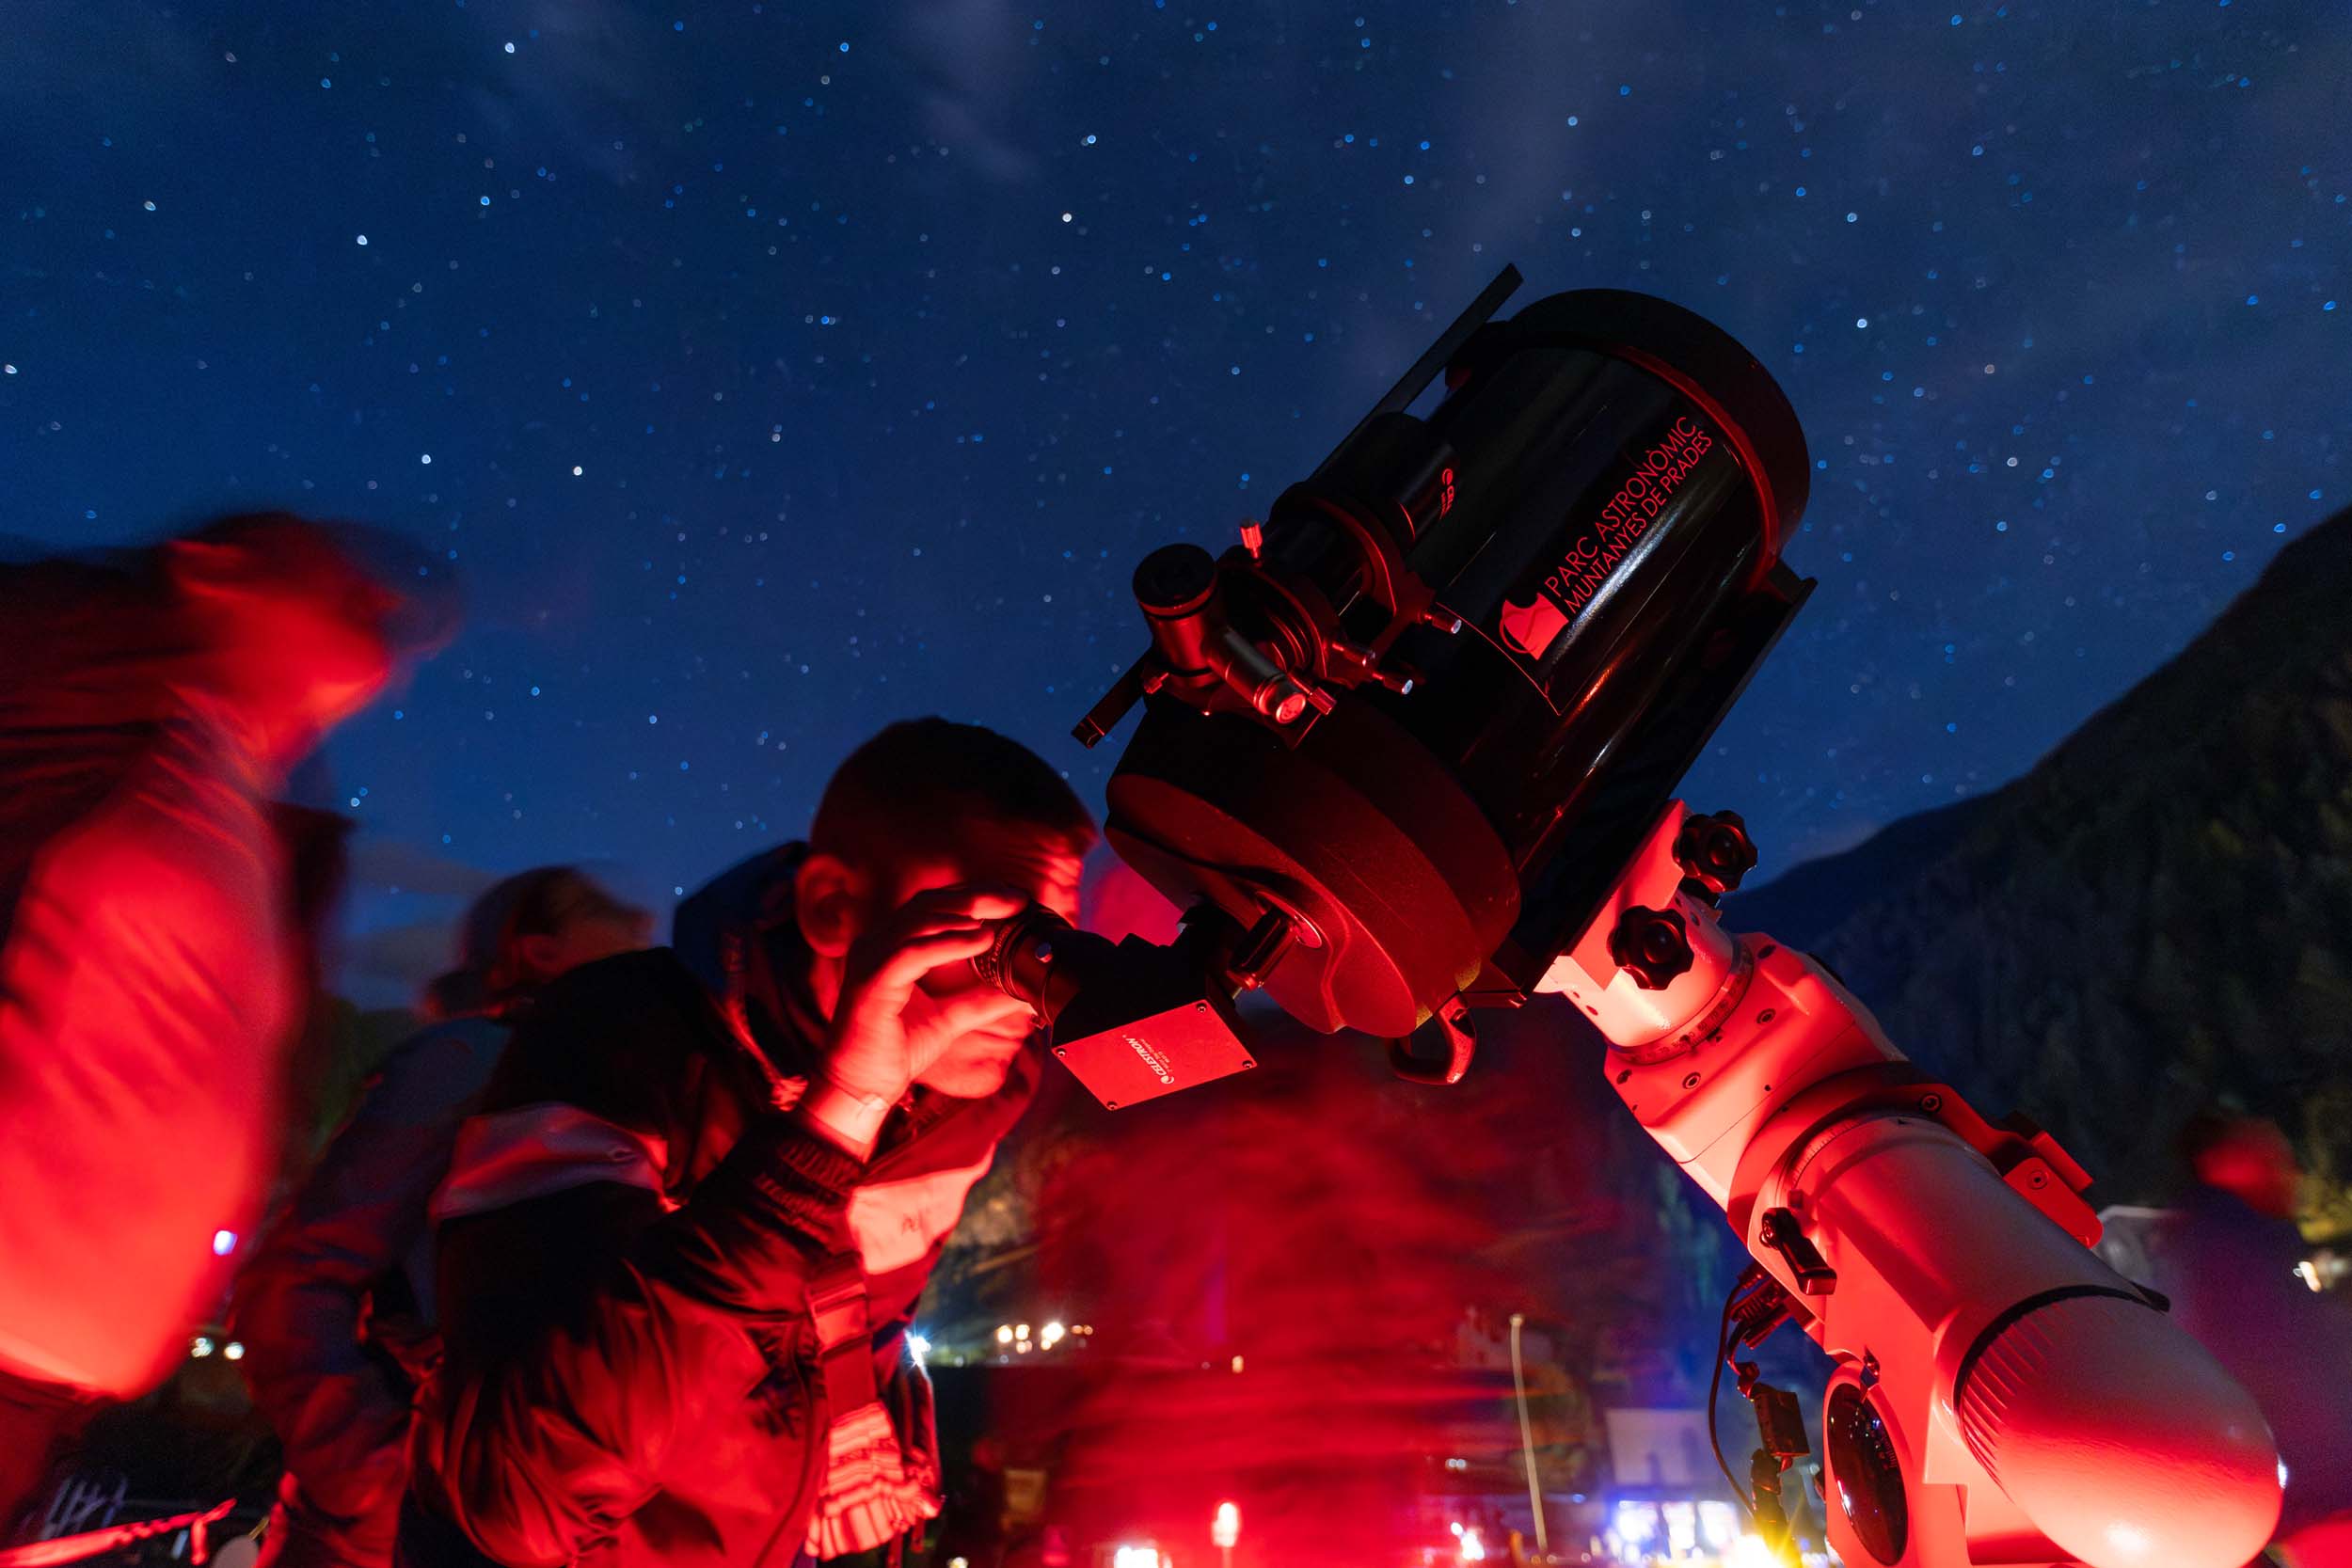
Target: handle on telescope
1450, 1024
1104, 716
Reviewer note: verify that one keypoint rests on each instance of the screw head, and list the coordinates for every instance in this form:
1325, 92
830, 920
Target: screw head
1691, 1080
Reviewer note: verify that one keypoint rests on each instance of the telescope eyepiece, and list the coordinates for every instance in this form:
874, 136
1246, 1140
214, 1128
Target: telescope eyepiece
1020, 960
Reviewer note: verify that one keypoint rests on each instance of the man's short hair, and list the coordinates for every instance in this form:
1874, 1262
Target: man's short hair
919, 788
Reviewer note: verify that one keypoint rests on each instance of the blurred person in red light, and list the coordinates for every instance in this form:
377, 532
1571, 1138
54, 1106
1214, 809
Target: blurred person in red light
334, 1306
150, 964
2227, 1258
681, 1248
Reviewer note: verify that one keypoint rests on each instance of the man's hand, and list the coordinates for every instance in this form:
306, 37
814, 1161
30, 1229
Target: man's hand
886, 1031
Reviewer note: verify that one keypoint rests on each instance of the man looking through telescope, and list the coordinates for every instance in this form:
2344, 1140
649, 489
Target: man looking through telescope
680, 1250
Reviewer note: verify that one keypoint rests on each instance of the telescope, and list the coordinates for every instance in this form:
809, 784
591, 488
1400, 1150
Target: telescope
1408, 749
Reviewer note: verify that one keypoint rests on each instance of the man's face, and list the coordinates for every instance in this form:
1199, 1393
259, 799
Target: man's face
590, 925
308, 632
974, 1065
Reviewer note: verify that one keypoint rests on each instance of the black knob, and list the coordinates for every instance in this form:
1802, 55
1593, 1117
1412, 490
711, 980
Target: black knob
1175, 579
1652, 945
1715, 852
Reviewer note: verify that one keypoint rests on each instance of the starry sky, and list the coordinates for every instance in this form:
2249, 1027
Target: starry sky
770, 371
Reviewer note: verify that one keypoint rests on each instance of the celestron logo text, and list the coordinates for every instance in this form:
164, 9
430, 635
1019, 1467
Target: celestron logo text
1152, 1059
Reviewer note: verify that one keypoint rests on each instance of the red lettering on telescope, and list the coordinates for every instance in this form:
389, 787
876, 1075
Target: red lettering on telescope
1593, 553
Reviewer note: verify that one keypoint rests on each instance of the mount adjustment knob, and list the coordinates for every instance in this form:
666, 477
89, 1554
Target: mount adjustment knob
1715, 850
1652, 945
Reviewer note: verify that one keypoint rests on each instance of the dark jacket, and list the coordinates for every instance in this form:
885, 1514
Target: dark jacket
2231, 1275
330, 1307
626, 1244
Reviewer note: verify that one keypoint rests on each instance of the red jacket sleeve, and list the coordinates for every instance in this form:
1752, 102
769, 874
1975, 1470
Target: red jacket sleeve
585, 1328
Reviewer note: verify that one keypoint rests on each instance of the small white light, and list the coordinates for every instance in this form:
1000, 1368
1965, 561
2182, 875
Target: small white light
201, 1345
510, 49
918, 1347
1003, 1334
576, 470
233, 1351
425, 457
224, 1242
362, 239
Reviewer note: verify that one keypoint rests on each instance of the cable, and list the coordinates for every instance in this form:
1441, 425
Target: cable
1714, 1386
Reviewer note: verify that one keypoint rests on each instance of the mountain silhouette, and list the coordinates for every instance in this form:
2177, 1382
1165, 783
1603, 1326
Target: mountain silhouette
2155, 919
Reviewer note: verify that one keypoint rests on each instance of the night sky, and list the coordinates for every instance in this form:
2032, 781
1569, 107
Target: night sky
773, 371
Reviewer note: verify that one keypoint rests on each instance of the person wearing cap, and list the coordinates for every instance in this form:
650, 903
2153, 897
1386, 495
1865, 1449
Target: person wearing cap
334, 1309
150, 968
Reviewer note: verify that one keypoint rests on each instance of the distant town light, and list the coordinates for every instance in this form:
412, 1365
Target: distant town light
918, 1347
1237, 1363
1003, 1334
1225, 1529
201, 1345
233, 1351
1050, 1335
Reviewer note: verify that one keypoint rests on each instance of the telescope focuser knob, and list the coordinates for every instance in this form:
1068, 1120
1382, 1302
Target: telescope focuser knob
1715, 852
1652, 945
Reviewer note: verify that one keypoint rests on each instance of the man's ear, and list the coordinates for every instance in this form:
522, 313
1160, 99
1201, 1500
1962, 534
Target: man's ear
829, 903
